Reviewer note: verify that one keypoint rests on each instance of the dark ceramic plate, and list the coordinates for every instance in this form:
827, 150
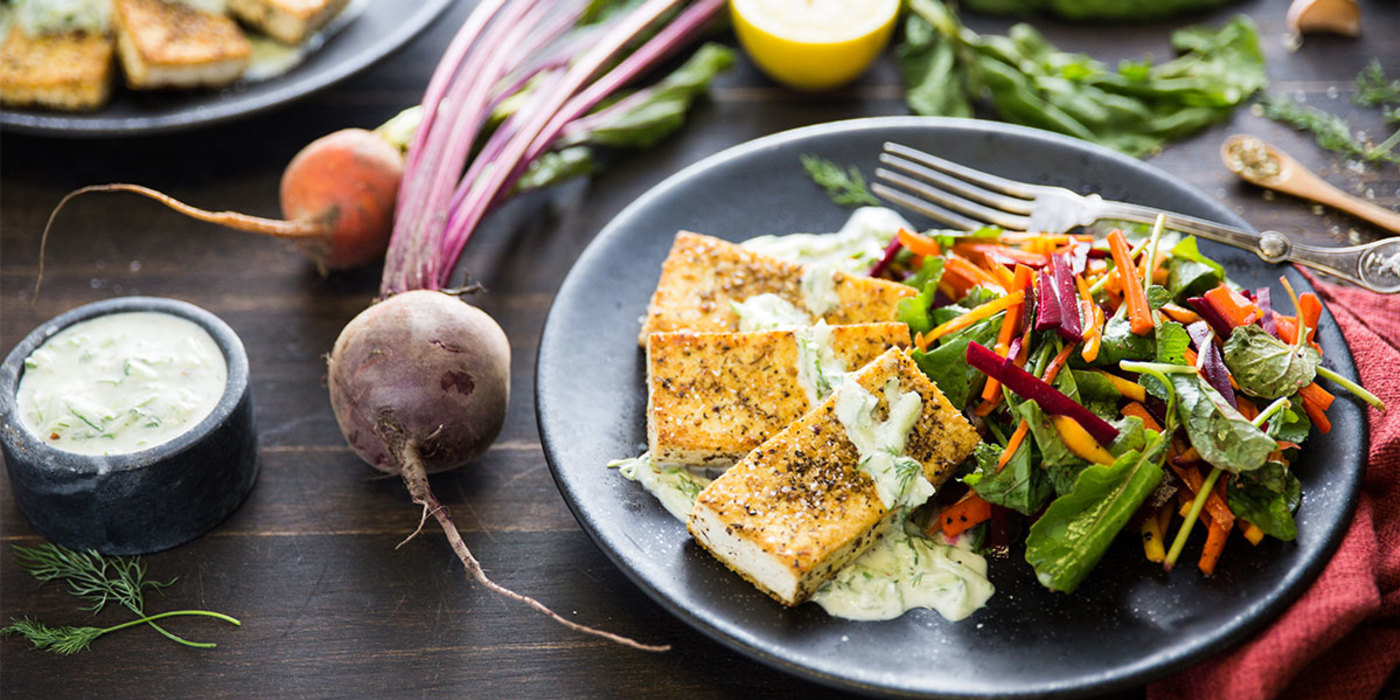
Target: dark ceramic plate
1127, 624
381, 28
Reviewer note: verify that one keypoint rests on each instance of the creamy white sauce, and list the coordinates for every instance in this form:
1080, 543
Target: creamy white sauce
768, 312
819, 370
38, 17
675, 486
899, 479
121, 383
905, 570
819, 290
854, 249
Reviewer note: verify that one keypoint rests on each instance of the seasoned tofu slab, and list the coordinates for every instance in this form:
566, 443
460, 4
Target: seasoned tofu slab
71, 71
702, 275
288, 21
800, 506
168, 44
713, 397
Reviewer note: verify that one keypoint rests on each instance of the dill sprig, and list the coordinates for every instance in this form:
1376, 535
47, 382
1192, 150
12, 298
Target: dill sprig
845, 187
1329, 130
98, 580
71, 640
1372, 87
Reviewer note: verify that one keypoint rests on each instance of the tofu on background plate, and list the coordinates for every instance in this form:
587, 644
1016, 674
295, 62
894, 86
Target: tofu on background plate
713, 397
702, 275
288, 21
172, 45
72, 71
798, 507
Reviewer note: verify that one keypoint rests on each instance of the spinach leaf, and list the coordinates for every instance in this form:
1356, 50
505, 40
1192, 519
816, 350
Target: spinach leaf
1291, 424
1093, 10
1172, 343
947, 364
914, 311
1222, 436
1075, 531
930, 68
1157, 296
1268, 498
1188, 249
1097, 394
1119, 343
1019, 485
1267, 367
1061, 465
1132, 435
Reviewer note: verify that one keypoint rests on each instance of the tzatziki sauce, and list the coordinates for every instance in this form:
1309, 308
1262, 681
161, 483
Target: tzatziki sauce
121, 383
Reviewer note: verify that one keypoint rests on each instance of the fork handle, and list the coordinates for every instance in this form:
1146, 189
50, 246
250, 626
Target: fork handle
1375, 266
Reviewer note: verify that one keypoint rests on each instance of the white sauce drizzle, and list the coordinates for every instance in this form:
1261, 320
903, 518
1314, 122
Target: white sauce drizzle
675, 486
121, 383
819, 290
819, 370
768, 312
854, 249
899, 479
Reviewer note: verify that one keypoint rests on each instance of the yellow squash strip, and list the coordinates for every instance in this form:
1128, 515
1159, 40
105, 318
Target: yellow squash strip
1078, 440
984, 311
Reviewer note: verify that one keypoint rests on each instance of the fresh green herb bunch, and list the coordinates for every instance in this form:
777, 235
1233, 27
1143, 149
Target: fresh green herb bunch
98, 580
845, 187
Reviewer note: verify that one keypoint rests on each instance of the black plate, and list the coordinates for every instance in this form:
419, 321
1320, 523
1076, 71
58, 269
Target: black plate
382, 27
1127, 624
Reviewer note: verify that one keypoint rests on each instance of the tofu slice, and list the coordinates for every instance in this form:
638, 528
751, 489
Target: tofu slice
713, 397
703, 274
798, 507
171, 45
288, 21
71, 71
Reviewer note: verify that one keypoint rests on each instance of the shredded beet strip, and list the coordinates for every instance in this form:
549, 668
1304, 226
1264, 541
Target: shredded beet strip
1030, 387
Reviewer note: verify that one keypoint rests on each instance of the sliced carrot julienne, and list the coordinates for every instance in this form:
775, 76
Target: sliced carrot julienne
1215, 500
1215, 544
962, 267
1130, 389
1078, 440
1237, 310
1139, 410
1246, 407
1317, 395
1093, 319
1015, 442
1053, 369
918, 244
1180, 314
1311, 309
992, 250
986, 407
1139, 313
984, 311
970, 511
991, 391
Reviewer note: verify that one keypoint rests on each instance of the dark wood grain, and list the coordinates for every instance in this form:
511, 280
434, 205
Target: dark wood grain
330, 607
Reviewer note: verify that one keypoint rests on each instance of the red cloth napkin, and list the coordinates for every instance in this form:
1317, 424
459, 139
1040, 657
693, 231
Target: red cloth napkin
1341, 639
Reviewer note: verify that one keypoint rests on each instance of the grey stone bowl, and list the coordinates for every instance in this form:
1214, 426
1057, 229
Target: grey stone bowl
144, 501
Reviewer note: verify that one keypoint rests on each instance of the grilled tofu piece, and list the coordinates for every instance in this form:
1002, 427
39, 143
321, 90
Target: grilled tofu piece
703, 274
713, 397
288, 21
71, 71
799, 507
171, 45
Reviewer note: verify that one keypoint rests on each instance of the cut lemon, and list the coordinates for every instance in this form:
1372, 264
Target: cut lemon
814, 44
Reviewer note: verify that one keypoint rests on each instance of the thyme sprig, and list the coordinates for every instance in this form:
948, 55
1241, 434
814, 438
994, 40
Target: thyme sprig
98, 580
845, 187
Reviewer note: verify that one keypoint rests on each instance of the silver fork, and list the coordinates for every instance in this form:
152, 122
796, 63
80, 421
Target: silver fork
969, 199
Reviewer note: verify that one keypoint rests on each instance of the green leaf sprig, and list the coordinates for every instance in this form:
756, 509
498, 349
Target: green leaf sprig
845, 187
98, 580
1332, 132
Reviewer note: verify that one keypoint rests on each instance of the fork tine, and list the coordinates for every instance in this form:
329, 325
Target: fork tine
966, 189
946, 201
987, 180
933, 211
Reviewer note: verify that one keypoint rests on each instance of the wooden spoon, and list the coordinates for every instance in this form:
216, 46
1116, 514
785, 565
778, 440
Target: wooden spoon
1266, 166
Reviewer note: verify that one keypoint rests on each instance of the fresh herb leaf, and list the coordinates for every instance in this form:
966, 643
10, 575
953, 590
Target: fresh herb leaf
1120, 343
1267, 497
1172, 342
1267, 367
1372, 87
1019, 485
1097, 394
914, 311
930, 65
71, 640
1329, 130
1072, 535
947, 364
845, 187
1224, 438
1061, 465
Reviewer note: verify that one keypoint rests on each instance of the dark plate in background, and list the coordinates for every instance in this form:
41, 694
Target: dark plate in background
382, 27
1128, 623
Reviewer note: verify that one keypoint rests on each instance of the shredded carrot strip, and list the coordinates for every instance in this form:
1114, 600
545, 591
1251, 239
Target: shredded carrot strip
964, 268
1316, 394
1139, 313
1237, 310
1180, 314
1215, 501
1215, 544
1139, 410
1247, 408
991, 391
1093, 316
970, 511
1015, 442
986, 407
917, 243
1059, 361
984, 311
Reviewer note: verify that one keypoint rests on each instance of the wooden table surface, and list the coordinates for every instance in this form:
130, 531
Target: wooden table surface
330, 608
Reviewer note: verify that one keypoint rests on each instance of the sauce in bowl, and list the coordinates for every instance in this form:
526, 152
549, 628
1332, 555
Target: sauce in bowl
121, 383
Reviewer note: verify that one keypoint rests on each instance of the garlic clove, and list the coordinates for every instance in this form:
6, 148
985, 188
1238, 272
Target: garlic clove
1335, 16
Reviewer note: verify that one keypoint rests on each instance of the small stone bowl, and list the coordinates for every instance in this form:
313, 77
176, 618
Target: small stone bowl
137, 502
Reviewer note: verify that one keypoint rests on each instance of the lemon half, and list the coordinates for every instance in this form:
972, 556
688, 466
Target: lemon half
814, 44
